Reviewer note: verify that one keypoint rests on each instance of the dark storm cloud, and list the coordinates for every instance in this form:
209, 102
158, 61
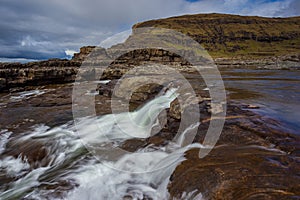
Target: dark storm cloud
51, 27
43, 29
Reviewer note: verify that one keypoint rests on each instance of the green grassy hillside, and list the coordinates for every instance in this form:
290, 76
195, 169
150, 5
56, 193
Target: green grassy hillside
233, 36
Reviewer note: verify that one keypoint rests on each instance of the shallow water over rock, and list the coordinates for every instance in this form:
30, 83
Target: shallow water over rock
275, 92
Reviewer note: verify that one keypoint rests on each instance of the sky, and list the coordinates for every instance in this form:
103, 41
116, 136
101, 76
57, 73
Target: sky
35, 29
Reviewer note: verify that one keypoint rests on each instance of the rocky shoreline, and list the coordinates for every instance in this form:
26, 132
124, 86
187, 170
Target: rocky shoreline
16, 76
287, 62
253, 151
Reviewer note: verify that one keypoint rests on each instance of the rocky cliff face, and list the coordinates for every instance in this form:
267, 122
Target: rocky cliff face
231, 40
236, 36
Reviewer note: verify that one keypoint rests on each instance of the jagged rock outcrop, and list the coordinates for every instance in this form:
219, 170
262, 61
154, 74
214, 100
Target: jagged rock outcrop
84, 52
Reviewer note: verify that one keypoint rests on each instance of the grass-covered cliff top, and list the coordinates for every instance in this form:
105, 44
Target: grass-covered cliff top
234, 36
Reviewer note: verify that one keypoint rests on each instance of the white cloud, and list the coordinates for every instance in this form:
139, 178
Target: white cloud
70, 53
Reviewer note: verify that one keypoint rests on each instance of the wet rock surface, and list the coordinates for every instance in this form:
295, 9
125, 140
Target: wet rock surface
250, 161
235, 172
255, 158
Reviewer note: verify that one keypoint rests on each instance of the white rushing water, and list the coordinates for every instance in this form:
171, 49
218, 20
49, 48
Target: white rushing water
4, 135
27, 94
143, 174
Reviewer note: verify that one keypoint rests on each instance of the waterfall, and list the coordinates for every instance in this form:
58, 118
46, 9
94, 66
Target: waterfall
143, 174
